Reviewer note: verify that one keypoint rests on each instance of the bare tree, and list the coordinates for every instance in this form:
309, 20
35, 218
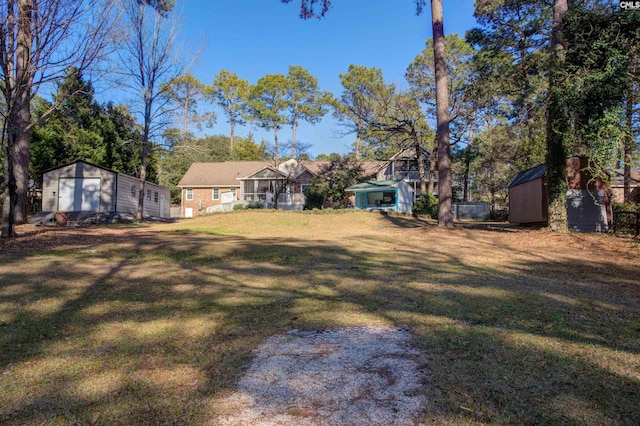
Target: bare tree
149, 65
39, 41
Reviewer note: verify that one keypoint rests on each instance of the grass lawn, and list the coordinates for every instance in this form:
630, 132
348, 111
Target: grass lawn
153, 324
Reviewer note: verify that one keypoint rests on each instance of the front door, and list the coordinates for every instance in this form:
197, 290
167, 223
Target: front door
161, 205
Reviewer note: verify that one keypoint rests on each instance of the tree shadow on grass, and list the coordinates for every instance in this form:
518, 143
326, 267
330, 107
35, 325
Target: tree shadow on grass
406, 221
154, 330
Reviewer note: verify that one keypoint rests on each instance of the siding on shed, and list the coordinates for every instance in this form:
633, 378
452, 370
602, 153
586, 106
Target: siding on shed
127, 202
113, 197
527, 202
51, 180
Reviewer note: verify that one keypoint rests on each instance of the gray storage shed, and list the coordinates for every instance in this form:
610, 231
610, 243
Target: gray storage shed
84, 187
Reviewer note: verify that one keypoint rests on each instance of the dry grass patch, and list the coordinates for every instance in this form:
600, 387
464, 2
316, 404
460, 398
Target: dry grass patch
155, 324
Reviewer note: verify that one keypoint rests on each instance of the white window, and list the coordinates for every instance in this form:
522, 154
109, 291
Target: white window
155, 196
215, 194
189, 194
148, 195
134, 190
304, 187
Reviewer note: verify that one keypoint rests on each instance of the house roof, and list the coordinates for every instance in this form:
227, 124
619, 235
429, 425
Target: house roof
378, 185
228, 173
217, 174
315, 166
368, 167
618, 180
410, 152
290, 168
529, 175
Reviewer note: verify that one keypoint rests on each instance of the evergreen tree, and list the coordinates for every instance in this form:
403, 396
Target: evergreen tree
78, 127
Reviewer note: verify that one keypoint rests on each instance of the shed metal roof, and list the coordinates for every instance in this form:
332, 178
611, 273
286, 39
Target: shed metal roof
103, 168
529, 175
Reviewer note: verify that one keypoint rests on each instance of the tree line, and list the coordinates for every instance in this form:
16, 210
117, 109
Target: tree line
534, 82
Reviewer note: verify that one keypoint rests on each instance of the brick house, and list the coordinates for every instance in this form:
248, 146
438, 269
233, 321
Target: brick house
617, 186
210, 187
207, 185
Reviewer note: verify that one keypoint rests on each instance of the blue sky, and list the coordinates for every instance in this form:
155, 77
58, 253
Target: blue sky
258, 37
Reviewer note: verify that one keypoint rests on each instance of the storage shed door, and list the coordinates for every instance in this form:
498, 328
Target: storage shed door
79, 195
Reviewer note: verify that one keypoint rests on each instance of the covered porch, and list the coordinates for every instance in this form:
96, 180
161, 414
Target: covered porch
263, 192
386, 195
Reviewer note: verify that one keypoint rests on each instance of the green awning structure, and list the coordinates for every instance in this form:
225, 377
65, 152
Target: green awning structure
376, 195
379, 185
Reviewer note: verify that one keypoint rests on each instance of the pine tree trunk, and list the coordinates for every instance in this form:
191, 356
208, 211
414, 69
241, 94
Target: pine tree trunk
21, 137
144, 152
433, 161
293, 138
275, 141
445, 218
185, 119
421, 172
467, 165
467, 158
233, 128
557, 128
358, 143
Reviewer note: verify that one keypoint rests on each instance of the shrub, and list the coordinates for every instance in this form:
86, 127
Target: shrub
624, 220
426, 204
498, 215
313, 199
238, 207
626, 207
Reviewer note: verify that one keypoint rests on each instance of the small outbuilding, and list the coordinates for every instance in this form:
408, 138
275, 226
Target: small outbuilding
84, 187
384, 195
588, 198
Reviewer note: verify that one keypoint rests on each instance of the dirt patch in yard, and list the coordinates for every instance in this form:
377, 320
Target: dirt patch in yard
190, 323
345, 376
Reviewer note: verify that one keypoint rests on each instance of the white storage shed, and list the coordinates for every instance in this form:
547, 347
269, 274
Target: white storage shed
86, 187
